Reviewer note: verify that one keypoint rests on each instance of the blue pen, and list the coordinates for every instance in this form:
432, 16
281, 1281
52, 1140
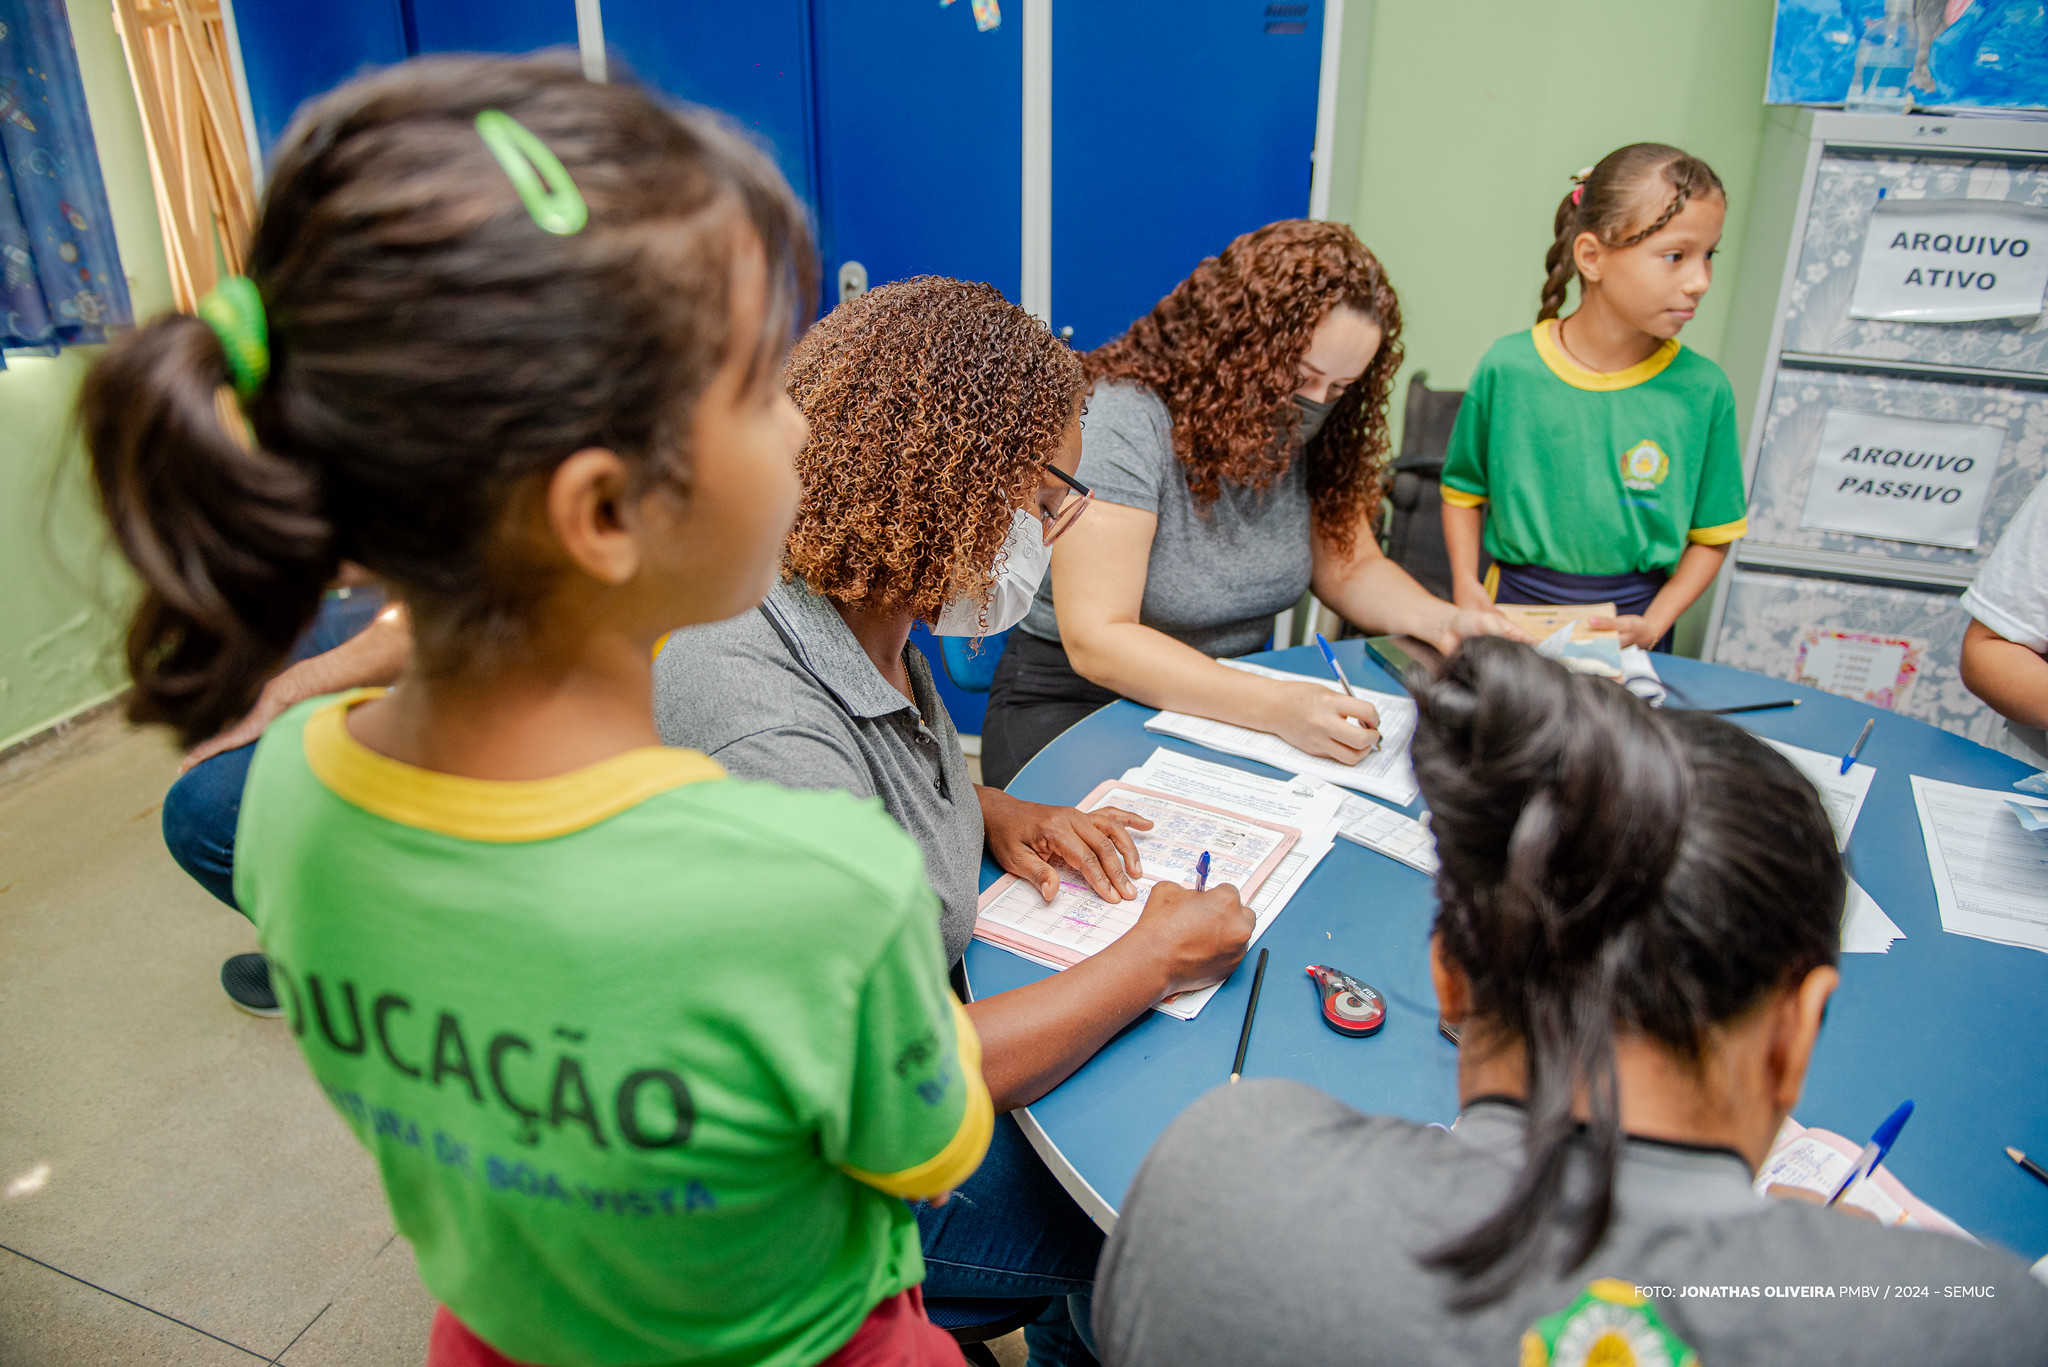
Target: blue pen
1202, 872
1857, 749
1873, 1153
1330, 656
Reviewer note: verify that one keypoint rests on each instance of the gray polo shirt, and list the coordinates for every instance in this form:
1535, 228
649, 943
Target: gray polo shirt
1272, 1223
786, 694
1216, 576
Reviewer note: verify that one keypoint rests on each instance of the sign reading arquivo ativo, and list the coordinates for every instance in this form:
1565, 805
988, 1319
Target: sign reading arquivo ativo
1952, 261
1902, 479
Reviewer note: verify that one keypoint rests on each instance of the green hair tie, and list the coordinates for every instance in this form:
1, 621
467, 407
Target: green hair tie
234, 310
535, 172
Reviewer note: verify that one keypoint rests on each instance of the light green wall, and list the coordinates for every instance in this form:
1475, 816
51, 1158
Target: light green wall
1475, 116
61, 600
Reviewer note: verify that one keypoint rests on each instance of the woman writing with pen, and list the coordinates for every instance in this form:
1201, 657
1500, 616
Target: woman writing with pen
1233, 438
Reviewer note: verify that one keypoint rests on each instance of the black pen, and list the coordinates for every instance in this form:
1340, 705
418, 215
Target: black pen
1751, 707
1251, 1008
2029, 1164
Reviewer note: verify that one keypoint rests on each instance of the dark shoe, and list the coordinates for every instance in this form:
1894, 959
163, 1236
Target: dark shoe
246, 979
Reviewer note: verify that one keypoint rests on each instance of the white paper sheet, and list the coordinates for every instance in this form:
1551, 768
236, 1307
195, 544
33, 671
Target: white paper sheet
1865, 927
1842, 794
1393, 834
1952, 261
1990, 874
1310, 806
1384, 773
1818, 1160
1905, 479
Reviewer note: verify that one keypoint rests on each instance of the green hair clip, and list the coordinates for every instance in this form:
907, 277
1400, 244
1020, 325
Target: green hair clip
535, 172
234, 310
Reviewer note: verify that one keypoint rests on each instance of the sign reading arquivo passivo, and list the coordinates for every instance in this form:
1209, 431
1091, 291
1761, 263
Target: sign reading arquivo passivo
1902, 479
1952, 261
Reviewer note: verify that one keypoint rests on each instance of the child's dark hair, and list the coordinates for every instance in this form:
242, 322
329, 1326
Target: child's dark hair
431, 349
1611, 202
1607, 870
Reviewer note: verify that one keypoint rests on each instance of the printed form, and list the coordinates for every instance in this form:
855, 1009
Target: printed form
1385, 772
1990, 872
1244, 851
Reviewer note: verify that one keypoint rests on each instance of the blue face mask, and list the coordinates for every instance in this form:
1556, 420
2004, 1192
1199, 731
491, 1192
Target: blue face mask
1313, 415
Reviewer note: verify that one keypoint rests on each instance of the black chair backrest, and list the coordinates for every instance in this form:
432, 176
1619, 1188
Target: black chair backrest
1414, 537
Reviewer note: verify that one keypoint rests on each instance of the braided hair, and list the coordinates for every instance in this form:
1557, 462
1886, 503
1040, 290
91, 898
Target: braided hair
1612, 197
1608, 872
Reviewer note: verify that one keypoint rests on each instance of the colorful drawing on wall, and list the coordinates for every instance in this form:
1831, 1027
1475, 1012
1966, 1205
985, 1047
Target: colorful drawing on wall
988, 14
1984, 54
1867, 666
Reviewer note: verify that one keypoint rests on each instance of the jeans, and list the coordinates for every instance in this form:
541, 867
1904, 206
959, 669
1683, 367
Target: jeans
1011, 1232
203, 806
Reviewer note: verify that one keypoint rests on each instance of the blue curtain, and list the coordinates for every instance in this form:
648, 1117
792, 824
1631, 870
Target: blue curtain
60, 275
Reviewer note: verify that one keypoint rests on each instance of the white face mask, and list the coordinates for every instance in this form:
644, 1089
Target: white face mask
1024, 559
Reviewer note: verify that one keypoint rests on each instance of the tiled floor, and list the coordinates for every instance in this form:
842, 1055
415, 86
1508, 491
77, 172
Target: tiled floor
173, 1189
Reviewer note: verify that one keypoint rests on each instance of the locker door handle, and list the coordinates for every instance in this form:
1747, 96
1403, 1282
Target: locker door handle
853, 280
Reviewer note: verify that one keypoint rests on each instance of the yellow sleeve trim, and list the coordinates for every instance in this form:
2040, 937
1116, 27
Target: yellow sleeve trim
955, 1163
502, 811
1719, 536
1544, 334
1458, 498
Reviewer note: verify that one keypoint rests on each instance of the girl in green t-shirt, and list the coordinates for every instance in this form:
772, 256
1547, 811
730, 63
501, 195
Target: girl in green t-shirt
1600, 456
648, 1058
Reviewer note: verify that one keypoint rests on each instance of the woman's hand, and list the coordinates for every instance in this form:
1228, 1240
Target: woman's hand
1478, 621
1029, 838
1195, 938
1320, 722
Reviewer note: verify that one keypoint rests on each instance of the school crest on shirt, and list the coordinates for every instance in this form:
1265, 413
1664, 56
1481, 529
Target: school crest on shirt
1644, 465
1609, 1325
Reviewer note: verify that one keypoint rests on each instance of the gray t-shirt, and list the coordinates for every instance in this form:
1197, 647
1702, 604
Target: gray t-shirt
786, 694
1274, 1224
1217, 576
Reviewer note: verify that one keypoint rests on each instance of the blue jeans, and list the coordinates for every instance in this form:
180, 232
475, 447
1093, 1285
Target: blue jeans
1011, 1232
203, 806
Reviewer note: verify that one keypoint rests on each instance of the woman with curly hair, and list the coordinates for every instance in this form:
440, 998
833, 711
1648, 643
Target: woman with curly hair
944, 430
1233, 438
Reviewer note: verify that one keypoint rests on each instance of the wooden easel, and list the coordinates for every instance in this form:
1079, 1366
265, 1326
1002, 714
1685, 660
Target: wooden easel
198, 162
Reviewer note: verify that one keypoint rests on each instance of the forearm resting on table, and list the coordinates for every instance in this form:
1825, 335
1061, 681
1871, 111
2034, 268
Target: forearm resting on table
1033, 1037
1150, 667
1370, 591
2011, 678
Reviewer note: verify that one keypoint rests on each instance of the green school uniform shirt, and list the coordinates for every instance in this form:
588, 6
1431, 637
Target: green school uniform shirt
648, 1057
1592, 473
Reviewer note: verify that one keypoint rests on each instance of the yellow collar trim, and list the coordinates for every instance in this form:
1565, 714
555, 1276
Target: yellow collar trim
1544, 334
496, 810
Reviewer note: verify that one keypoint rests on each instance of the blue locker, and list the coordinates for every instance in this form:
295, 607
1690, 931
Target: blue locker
500, 26
921, 124
752, 61
1175, 128
292, 51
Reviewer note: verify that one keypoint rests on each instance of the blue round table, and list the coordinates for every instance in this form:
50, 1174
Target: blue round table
1959, 1025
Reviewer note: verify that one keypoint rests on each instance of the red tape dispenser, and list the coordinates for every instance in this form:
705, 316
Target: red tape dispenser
1350, 1007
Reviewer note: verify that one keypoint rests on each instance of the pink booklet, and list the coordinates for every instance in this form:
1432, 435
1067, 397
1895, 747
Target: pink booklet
1818, 1160
1243, 851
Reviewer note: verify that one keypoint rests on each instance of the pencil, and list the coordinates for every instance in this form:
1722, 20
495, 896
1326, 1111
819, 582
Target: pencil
1251, 1008
1857, 748
1752, 707
2016, 1156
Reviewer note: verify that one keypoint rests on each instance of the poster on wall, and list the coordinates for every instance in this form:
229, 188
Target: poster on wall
1867, 666
1957, 54
1902, 479
1952, 261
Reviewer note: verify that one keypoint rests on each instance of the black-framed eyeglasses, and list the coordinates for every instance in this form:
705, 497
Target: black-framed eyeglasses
1071, 506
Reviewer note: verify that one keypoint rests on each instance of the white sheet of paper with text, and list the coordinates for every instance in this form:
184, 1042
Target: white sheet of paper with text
1902, 479
1952, 261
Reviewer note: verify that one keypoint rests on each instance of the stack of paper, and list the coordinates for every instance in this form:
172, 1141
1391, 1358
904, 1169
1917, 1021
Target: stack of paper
1312, 807
1384, 773
1865, 927
1990, 872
